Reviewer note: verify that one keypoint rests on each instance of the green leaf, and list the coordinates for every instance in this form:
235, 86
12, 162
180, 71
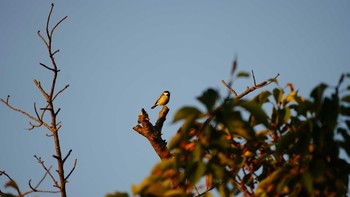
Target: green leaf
285, 114
155, 189
240, 128
185, 113
198, 170
345, 110
248, 179
7, 195
347, 122
346, 142
317, 168
217, 171
307, 182
278, 94
243, 74
176, 193
286, 141
317, 93
346, 99
175, 141
209, 98
117, 194
256, 111
269, 181
263, 97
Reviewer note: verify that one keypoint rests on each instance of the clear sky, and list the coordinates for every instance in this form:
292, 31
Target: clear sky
119, 56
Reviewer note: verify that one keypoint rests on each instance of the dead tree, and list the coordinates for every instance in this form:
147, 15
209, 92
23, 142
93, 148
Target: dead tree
46, 116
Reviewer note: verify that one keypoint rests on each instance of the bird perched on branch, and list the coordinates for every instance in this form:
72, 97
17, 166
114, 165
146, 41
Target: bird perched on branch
162, 100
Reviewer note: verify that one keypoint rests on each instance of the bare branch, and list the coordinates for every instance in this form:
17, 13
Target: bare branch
253, 78
232, 90
43, 39
34, 125
41, 180
45, 108
72, 170
65, 158
23, 112
53, 29
59, 109
48, 23
53, 126
59, 92
47, 67
55, 53
36, 111
35, 189
161, 119
38, 84
4, 173
47, 171
153, 135
251, 89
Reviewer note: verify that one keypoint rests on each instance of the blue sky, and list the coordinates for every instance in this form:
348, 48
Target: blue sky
118, 56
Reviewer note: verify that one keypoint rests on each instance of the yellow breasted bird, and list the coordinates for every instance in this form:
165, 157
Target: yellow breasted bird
162, 100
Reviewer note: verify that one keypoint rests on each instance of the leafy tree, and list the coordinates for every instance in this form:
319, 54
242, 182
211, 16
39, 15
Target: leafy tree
276, 144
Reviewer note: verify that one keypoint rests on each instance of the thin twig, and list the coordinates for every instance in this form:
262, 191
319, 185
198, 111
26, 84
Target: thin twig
36, 111
232, 90
34, 189
43, 39
48, 23
47, 67
4, 173
254, 78
55, 53
47, 171
59, 109
65, 158
250, 89
59, 92
38, 84
23, 112
53, 29
41, 180
72, 170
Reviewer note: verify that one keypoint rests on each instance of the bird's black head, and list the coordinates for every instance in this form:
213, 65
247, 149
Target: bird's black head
166, 92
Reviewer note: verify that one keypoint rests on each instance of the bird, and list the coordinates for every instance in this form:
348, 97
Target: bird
162, 100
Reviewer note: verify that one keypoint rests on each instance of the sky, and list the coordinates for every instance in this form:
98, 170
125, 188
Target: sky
119, 56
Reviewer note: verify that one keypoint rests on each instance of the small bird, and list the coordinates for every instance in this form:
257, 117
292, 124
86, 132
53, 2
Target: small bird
163, 99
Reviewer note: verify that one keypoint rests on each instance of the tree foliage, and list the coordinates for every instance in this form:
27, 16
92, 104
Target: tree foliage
276, 144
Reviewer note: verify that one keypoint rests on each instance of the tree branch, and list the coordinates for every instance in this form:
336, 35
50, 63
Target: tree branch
47, 170
23, 112
35, 189
250, 89
153, 133
72, 170
53, 127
